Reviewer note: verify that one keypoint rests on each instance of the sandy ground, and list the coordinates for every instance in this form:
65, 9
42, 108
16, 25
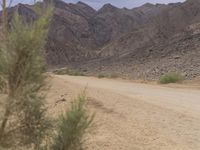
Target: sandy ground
134, 116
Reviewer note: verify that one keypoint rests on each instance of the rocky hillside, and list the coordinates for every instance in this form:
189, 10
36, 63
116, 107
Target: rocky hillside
142, 42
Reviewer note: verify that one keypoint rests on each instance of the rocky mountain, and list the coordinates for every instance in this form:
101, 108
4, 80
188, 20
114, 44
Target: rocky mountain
142, 42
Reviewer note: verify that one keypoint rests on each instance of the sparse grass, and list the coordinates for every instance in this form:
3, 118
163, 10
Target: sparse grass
68, 72
113, 75
3, 85
171, 78
102, 75
73, 126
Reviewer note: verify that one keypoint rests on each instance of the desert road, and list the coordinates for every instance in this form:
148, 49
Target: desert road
135, 116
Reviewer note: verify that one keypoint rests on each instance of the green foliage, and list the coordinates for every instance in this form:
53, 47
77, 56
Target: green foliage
35, 125
68, 72
73, 126
22, 67
171, 78
24, 123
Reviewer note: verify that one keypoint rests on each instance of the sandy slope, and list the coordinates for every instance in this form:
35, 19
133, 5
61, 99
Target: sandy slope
134, 116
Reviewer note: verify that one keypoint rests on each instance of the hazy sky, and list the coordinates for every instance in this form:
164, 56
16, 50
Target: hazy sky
119, 3
124, 3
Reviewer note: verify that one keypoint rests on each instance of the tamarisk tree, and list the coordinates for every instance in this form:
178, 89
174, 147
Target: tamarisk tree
23, 118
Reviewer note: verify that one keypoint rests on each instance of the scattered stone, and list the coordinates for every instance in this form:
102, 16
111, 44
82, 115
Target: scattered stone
60, 101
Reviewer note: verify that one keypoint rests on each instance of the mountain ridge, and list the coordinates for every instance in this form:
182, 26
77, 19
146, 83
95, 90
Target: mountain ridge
115, 39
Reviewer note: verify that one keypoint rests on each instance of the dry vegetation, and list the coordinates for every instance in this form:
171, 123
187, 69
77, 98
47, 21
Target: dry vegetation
24, 123
171, 78
67, 71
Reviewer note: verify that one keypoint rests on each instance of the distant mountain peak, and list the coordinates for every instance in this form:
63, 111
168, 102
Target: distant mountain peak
148, 5
51, 1
84, 5
81, 3
107, 7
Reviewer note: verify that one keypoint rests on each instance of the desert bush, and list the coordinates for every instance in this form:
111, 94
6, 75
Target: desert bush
22, 67
171, 78
24, 122
113, 75
103, 75
68, 72
73, 126
3, 85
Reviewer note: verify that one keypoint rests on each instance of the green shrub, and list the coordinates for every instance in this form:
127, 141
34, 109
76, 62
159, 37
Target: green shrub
101, 75
171, 78
68, 72
22, 68
73, 126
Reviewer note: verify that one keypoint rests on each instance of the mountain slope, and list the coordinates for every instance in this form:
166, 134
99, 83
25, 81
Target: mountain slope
142, 42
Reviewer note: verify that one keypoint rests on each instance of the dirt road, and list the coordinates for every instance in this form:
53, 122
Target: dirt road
134, 116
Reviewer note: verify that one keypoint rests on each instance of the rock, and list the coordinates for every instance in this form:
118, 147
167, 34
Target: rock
176, 57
